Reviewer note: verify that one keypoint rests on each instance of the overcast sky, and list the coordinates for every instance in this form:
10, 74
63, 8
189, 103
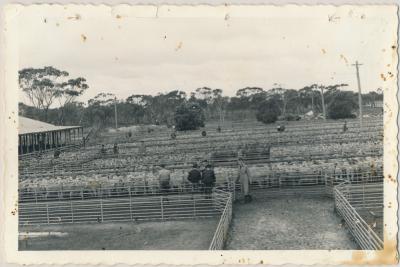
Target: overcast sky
128, 51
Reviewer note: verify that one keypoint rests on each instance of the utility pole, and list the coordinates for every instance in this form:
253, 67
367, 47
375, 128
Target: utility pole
323, 101
115, 111
359, 93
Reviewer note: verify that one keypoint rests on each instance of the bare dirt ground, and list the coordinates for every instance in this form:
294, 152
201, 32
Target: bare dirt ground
288, 223
174, 235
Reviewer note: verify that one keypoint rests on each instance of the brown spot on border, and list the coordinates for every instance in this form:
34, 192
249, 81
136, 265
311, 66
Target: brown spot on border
344, 58
76, 17
179, 46
388, 255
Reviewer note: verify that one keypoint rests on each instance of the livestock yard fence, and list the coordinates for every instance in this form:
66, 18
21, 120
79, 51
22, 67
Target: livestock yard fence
361, 206
358, 199
145, 208
149, 208
277, 184
96, 192
306, 184
221, 232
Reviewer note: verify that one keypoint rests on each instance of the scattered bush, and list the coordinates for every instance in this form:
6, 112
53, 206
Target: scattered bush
342, 106
268, 111
189, 116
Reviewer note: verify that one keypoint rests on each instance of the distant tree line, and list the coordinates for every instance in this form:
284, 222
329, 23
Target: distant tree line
47, 86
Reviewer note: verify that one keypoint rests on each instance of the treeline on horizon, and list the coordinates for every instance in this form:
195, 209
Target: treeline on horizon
48, 86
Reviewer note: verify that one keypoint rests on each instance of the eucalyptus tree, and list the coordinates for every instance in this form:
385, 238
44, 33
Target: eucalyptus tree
41, 86
68, 91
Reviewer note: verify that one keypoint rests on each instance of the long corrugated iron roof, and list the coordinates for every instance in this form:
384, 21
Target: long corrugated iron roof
27, 125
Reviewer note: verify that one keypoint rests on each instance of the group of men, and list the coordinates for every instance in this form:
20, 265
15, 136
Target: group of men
103, 150
200, 178
204, 179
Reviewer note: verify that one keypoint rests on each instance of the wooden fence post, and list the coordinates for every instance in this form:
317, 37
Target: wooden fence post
130, 206
162, 208
194, 207
280, 183
72, 212
101, 209
234, 190
36, 195
326, 184
47, 212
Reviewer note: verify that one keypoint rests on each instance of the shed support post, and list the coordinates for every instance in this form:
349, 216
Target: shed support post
20, 145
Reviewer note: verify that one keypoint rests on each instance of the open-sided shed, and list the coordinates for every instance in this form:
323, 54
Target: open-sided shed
34, 136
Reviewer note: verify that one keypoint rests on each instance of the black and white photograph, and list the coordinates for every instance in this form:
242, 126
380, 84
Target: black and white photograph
201, 128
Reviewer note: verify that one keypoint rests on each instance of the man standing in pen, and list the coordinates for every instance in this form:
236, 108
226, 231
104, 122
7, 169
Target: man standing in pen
244, 178
208, 180
194, 176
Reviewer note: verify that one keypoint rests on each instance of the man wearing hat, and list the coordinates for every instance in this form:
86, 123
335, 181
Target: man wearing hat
245, 180
208, 180
194, 176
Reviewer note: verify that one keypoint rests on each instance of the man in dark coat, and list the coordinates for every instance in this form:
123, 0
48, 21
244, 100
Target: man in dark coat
194, 176
208, 180
345, 127
116, 149
103, 150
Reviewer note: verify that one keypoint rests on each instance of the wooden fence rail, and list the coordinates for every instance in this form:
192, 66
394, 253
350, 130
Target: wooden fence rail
362, 232
277, 184
54, 172
352, 198
150, 208
221, 232
209, 143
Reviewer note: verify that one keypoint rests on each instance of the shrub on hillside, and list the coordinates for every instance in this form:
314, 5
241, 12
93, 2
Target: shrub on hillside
189, 116
342, 106
268, 111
